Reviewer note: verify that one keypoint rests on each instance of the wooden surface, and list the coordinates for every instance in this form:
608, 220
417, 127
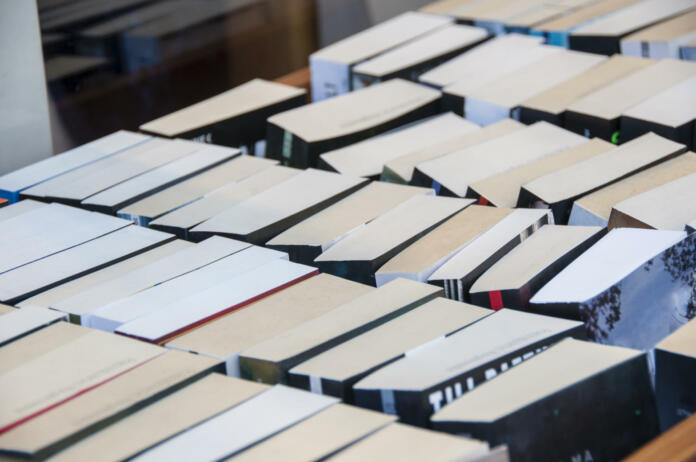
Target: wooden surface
676, 445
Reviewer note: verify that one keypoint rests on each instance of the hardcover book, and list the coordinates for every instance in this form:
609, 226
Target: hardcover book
17, 323
663, 39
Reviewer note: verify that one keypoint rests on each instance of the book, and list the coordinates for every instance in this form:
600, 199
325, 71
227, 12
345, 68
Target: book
557, 31
140, 299
367, 158
544, 405
525, 21
53, 270
453, 173
550, 105
163, 419
268, 213
236, 117
422, 258
236, 429
226, 337
181, 220
688, 51
308, 239
80, 184
12, 184
503, 189
49, 298
594, 209
297, 137
408, 443
663, 39
335, 371
604, 34
359, 255
52, 350
647, 209
669, 113
427, 379
5, 309
497, 52
155, 205
161, 325
517, 276
158, 269
111, 401
24, 321
634, 290
331, 67
319, 436
503, 97
417, 56
48, 230
673, 443
18, 208
270, 360
116, 197
404, 169
598, 113
674, 375
559, 189
501, 17
458, 274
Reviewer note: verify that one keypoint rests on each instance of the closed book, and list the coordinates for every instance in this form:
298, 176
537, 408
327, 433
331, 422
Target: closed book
674, 375
269, 361
533, 405
460, 271
79, 184
266, 214
335, 371
20, 322
297, 137
48, 230
321, 435
422, 258
119, 196
559, 189
367, 158
503, 97
308, 239
364, 251
676, 442
408, 443
412, 59
615, 286
550, 105
516, 277
181, 220
503, 189
669, 113
456, 171
15, 182
604, 35
193, 189
647, 209
163, 419
81, 304
331, 67
427, 379
494, 53
153, 296
241, 427
598, 113
226, 337
18, 208
595, 208
163, 324
236, 117
111, 401
663, 39
404, 169
82, 259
